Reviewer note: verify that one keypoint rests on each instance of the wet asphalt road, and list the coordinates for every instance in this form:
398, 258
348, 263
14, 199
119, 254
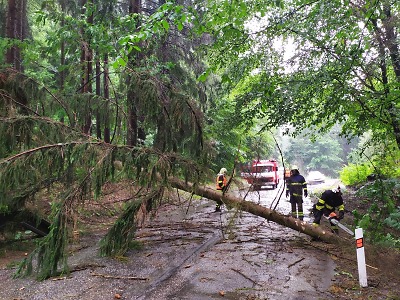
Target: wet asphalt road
191, 252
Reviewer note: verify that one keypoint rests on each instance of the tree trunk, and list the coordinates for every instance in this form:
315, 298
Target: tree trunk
87, 69
132, 123
258, 210
107, 136
62, 46
16, 30
98, 94
393, 47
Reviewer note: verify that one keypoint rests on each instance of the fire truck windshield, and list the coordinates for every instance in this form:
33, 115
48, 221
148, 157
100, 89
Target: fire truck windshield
263, 169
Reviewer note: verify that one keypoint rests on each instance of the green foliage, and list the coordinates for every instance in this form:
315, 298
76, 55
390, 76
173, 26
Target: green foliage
161, 103
393, 220
157, 24
372, 157
381, 223
259, 145
323, 153
3, 47
83, 169
233, 142
247, 85
314, 82
50, 251
3, 208
353, 174
116, 242
119, 238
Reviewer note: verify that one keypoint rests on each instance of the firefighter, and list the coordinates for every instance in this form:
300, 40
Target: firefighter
295, 186
221, 183
326, 205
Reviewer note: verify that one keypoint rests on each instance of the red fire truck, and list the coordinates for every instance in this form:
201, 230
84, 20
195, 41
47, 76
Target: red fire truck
262, 173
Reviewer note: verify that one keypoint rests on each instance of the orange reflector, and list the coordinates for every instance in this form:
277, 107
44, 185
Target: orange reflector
360, 243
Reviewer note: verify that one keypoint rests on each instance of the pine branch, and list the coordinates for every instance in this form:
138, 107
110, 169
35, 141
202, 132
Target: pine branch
84, 167
31, 151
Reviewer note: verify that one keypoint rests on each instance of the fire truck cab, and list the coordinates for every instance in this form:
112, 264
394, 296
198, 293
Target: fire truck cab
263, 173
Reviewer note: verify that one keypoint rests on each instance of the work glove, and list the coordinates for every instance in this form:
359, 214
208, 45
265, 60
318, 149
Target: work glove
315, 224
341, 214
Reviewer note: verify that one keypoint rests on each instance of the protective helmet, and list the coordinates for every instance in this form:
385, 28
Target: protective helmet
337, 190
294, 170
222, 171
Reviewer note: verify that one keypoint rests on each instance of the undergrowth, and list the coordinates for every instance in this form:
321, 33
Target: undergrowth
381, 218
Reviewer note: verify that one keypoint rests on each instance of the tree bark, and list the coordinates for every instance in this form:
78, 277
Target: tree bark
393, 47
16, 30
62, 46
87, 69
132, 122
107, 134
98, 94
258, 210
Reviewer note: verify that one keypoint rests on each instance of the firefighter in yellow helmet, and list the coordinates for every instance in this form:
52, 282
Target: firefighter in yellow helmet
221, 184
296, 185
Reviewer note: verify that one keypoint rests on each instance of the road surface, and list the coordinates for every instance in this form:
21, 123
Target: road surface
189, 252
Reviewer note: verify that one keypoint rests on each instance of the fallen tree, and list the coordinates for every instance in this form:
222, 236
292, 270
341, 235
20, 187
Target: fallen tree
233, 201
117, 240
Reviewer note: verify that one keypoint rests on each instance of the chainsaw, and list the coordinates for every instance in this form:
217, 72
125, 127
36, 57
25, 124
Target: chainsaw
333, 219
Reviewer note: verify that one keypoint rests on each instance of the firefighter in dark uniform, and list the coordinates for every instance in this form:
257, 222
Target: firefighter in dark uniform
221, 183
326, 205
295, 186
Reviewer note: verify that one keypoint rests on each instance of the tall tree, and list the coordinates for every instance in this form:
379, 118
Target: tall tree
322, 154
106, 83
64, 154
16, 31
312, 64
132, 97
87, 66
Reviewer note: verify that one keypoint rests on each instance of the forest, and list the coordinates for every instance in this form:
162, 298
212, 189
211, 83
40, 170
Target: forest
162, 94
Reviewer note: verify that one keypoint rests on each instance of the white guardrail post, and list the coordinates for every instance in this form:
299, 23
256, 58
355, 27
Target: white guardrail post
362, 268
